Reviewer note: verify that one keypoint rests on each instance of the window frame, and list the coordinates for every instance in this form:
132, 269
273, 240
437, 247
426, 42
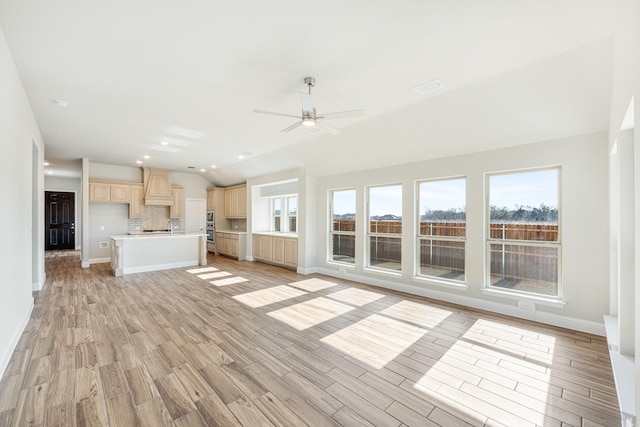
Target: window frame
332, 232
284, 214
420, 237
488, 242
369, 234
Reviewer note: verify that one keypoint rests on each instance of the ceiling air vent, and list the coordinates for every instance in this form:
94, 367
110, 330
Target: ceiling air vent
428, 87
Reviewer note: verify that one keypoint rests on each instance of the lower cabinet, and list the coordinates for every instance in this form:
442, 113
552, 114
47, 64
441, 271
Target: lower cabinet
277, 250
231, 244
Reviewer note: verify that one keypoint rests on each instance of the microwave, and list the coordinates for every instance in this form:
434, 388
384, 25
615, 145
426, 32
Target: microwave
210, 216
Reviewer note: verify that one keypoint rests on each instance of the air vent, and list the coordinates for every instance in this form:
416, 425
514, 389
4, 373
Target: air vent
428, 87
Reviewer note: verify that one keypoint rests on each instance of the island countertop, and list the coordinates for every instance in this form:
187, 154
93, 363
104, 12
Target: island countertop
137, 253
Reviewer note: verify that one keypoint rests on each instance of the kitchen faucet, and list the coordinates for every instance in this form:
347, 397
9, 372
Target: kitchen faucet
171, 226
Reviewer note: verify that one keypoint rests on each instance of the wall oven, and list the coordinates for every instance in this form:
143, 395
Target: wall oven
211, 229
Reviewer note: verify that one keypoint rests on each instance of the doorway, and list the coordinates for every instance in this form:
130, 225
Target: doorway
59, 219
195, 215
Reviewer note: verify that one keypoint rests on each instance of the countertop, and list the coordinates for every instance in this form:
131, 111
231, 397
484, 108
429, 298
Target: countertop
176, 234
231, 231
276, 233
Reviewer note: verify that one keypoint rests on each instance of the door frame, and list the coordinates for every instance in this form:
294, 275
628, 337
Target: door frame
76, 236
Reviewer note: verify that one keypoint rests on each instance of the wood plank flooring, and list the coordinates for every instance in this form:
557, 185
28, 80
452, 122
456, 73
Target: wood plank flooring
240, 343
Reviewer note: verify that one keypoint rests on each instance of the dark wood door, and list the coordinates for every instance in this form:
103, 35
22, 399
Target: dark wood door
60, 221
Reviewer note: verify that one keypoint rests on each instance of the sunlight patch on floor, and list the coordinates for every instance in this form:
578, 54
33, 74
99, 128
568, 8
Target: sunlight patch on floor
310, 313
201, 270
214, 275
228, 281
417, 313
486, 373
269, 296
313, 285
355, 296
375, 340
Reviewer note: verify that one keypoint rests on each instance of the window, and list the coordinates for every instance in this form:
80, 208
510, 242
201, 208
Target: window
284, 214
342, 232
385, 227
523, 238
441, 236
292, 208
276, 215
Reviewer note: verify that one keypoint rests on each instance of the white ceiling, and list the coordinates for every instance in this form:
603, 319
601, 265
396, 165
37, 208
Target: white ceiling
136, 73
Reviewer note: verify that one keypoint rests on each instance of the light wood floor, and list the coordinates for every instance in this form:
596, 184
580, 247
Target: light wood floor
240, 343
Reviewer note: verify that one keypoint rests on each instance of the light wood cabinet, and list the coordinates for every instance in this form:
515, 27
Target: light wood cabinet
277, 250
120, 193
99, 192
231, 244
211, 199
235, 202
136, 203
291, 252
176, 210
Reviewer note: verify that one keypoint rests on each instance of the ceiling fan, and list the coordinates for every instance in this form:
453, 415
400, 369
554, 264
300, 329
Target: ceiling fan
309, 116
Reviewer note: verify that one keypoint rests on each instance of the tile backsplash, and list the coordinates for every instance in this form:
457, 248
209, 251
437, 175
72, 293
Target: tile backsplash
154, 218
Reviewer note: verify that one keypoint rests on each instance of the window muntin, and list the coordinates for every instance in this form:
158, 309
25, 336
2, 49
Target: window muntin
276, 212
441, 240
384, 234
342, 232
284, 214
523, 236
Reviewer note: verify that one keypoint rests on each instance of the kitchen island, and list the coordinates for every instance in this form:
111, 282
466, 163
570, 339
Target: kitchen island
137, 253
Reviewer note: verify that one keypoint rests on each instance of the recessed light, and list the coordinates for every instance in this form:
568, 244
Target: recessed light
139, 162
241, 156
60, 103
146, 157
213, 166
429, 87
164, 143
50, 172
203, 170
46, 163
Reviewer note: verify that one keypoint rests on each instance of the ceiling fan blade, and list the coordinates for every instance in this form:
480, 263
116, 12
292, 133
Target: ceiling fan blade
343, 114
276, 114
326, 127
306, 101
292, 127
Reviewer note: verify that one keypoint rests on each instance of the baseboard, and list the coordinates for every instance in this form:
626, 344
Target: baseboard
36, 286
510, 310
14, 342
158, 267
310, 270
98, 260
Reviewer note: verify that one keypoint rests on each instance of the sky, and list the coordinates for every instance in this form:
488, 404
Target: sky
509, 190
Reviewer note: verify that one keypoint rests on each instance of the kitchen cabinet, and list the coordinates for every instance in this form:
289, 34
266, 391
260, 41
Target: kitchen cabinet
231, 244
274, 249
176, 210
136, 203
211, 199
120, 193
107, 192
235, 202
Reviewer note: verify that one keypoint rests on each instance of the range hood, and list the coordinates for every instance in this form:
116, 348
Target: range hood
157, 186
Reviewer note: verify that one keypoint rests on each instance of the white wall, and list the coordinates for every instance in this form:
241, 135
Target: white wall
55, 183
21, 259
584, 225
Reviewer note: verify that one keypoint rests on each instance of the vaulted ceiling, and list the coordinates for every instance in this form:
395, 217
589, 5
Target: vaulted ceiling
137, 73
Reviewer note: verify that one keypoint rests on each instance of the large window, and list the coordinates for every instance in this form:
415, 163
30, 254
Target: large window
284, 214
441, 236
385, 227
342, 233
523, 236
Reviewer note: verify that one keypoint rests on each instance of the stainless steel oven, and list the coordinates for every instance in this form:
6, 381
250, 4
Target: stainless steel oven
211, 228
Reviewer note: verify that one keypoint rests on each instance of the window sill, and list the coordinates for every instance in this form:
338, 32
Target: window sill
342, 265
442, 283
549, 302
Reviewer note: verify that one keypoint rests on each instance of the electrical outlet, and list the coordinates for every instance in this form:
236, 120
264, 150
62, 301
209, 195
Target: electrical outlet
526, 305
104, 245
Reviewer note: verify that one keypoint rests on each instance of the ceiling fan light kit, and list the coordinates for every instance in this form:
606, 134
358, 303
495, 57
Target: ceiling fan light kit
309, 117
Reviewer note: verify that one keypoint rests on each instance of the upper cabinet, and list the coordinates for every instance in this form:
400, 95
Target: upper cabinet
211, 199
120, 193
175, 210
109, 192
235, 201
136, 204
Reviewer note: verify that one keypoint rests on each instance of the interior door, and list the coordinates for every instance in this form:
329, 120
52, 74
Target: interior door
195, 216
60, 220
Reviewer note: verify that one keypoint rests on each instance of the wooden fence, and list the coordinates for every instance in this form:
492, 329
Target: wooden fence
509, 261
